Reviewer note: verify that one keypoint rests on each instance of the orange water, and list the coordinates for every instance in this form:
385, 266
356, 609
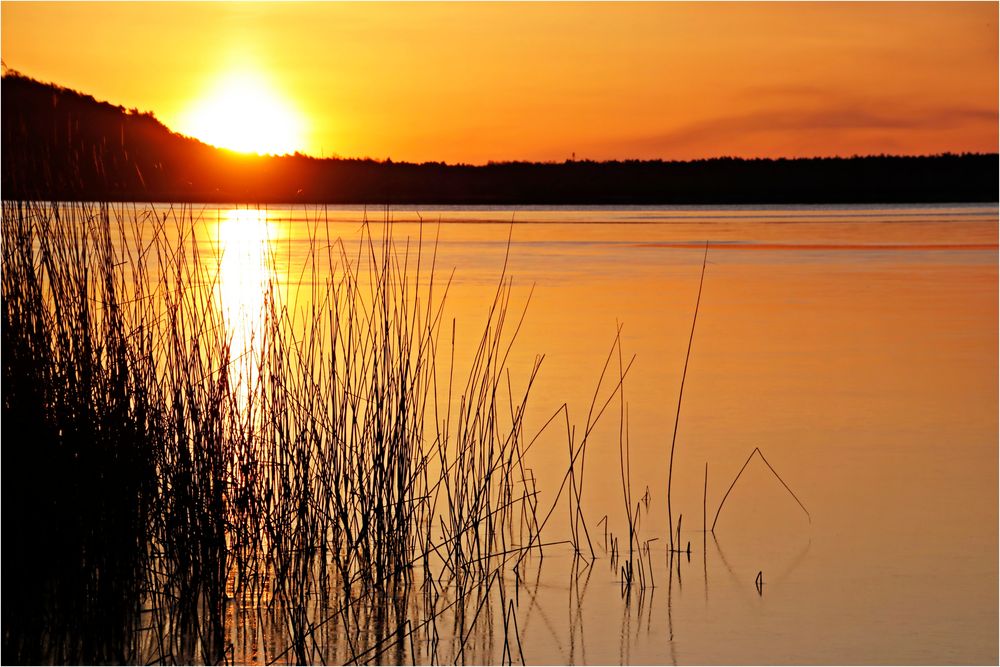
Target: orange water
855, 346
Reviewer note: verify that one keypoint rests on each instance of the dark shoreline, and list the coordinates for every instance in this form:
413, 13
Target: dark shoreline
60, 144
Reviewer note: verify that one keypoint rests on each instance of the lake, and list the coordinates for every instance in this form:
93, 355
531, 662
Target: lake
855, 346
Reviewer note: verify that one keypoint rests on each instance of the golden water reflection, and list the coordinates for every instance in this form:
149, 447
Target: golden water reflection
244, 238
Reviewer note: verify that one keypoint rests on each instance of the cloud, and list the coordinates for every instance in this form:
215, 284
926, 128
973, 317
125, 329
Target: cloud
891, 120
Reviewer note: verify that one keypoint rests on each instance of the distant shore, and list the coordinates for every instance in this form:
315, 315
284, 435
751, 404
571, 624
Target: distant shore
60, 144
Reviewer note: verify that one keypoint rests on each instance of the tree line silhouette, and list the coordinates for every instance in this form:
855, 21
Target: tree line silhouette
60, 144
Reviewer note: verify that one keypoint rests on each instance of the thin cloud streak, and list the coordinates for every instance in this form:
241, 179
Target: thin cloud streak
892, 121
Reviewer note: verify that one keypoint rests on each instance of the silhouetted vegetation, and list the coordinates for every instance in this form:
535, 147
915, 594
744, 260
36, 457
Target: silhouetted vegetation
325, 482
61, 144
339, 488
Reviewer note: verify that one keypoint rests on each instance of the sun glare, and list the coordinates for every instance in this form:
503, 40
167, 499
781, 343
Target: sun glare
243, 113
244, 240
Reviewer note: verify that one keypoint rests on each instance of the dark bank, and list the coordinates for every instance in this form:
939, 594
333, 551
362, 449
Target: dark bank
61, 144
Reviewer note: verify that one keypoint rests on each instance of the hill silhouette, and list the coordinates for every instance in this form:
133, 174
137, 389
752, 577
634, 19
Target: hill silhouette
63, 144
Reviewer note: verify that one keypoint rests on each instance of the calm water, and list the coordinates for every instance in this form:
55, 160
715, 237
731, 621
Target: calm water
855, 346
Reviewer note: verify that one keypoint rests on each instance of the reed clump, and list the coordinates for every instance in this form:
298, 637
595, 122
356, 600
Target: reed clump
175, 486
79, 433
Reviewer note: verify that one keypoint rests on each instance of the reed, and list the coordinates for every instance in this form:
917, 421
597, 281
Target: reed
335, 479
77, 424
183, 479
680, 398
756, 452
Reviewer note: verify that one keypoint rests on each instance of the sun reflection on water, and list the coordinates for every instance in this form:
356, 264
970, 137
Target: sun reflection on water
244, 239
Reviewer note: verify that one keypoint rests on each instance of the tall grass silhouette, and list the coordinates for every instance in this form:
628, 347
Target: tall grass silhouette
336, 481
318, 475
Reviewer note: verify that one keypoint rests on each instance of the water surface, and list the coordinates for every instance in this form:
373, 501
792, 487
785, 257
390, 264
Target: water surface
855, 346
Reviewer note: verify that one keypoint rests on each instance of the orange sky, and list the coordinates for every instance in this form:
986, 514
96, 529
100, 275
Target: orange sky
472, 82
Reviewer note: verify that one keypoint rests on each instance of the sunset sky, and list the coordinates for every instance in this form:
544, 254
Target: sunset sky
473, 82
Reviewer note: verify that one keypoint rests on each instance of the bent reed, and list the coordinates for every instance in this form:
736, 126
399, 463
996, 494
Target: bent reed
332, 492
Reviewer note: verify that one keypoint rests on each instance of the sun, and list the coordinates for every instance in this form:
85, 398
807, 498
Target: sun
242, 112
